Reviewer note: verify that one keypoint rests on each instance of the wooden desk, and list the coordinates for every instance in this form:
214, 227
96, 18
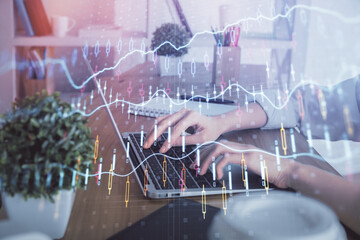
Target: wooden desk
98, 215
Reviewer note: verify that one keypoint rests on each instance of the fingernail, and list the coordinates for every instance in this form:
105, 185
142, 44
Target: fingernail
162, 149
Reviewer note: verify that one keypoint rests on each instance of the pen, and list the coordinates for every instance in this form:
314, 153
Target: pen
228, 38
232, 37
237, 36
216, 39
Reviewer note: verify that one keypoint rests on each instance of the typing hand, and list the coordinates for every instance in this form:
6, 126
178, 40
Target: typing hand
205, 129
232, 153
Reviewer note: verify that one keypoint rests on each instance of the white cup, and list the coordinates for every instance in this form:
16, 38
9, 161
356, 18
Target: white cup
277, 216
61, 25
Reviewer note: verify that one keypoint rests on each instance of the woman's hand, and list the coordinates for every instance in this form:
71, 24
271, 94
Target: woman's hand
205, 128
232, 153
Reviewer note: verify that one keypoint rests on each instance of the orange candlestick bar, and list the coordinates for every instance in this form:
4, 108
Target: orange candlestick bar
96, 148
164, 170
127, 191
183, 178
224, 200
203, 201
78, 168
146, 181
283, 138
242, 168
110, 182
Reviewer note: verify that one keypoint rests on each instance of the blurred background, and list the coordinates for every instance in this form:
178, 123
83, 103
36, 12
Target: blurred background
318, 45
258, 44
317, 42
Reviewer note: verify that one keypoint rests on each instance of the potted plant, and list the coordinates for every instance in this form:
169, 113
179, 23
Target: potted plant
168, 56
41, 141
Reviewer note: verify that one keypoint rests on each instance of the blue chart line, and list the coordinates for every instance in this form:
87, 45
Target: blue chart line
183, 102
62, 63
193, 151
259, 17
348, 20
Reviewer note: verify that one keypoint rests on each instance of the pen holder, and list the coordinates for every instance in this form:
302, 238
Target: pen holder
226, 64
32, 86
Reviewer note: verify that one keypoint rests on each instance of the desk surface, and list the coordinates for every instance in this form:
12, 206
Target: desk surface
98, 215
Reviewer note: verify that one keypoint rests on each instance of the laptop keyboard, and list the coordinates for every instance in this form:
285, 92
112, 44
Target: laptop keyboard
174, 168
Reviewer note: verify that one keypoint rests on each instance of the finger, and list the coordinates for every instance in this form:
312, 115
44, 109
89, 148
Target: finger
225, 147
163, 124
150, 134
188, 120
206, 164
207, 159
253, 160
160, 118
227, 159
203, 154
196, 138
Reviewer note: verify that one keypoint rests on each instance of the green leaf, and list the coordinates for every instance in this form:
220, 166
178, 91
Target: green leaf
34, 122
32, 141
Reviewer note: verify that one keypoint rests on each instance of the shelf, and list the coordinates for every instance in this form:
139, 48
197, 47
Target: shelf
72, 41
49, 41
199, 41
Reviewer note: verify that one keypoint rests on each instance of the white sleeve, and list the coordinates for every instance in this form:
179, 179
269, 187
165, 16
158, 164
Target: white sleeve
285, 112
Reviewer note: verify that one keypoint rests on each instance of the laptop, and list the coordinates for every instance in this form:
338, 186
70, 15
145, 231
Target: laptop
169, 176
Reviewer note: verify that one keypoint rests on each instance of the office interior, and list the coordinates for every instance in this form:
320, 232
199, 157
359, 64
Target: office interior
281, 45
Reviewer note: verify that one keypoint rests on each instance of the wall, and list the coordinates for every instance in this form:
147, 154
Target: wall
130, 16
333, 46
202, 14
7, 85
329, 52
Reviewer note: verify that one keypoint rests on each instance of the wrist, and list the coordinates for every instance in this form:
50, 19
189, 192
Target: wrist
293, 173
220, 126
225, 122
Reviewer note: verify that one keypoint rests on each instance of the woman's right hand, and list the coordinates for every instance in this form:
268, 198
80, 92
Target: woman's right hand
233, 152
205, 129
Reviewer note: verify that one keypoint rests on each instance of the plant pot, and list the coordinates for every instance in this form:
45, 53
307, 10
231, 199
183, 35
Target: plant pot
39, 214
226, 64
169, 66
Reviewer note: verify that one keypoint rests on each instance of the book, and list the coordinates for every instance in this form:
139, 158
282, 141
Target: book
37, 62
24, 17
159, 106
38, 17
